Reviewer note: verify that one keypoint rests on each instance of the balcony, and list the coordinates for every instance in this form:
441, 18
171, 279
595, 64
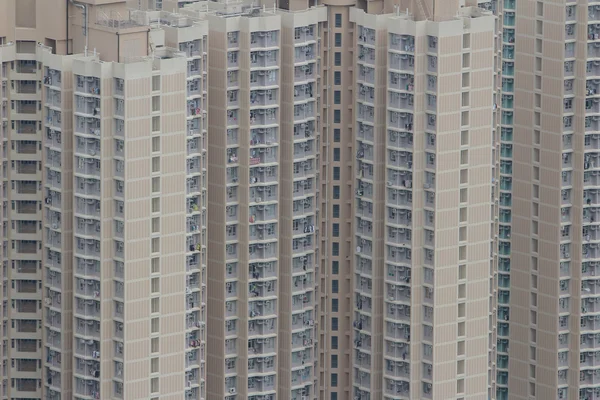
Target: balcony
508, 68
397, 293
262, 251
260, 194
402, 62
262, 327
89, 126
303, 321
305, 34
257, 385
401, 101
592, 68
593, 50
88, 308
89, 106
264, 39
508, 85
302, 358
262, 175
263, 232
88, 288
401, 43
87, 85
366, 55
87, 387
590, 179
26, 306
366, 74
26, 66
268, 78
265, 117
260, 98
52, 77
509, 19
27, 247
400, 120
263, 156
305, 53
366, 113
402, 82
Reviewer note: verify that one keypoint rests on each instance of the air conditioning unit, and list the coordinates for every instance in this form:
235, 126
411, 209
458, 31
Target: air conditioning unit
232, 390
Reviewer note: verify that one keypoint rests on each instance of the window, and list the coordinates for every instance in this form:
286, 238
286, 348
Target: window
334, 396
335, 286
337, 116
335, 249
334, 361
336, 154
334, 305
337, 97
336, 192
338, 20
336, 211
334, 380
338, 40
334, 324
337, 59
337, 78
337, 135
334, 342
335, 267
336, 173
336, 230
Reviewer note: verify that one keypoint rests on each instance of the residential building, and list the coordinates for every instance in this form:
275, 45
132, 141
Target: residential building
263, 200
553, 336
299, 200
424, 205
106, 171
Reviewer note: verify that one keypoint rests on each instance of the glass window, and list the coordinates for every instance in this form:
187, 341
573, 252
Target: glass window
334, 377
338, 40
336, 211
337, 116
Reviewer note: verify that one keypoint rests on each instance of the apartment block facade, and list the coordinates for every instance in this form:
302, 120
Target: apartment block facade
299, 200
423, 145
554, 259
107, 259
263, 200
